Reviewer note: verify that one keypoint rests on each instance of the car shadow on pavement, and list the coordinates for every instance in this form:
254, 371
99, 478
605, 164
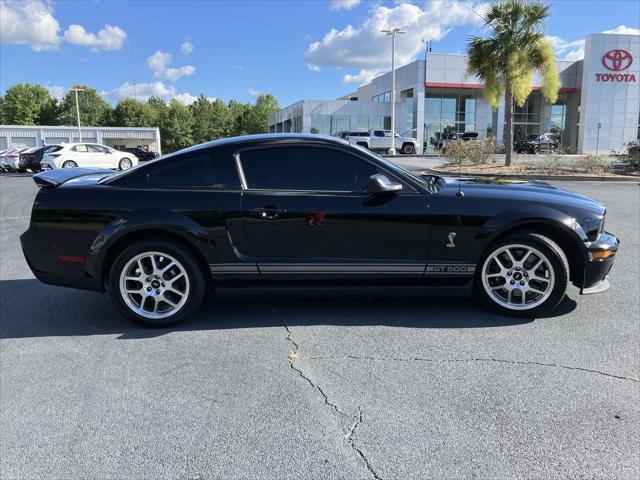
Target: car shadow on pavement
29, 308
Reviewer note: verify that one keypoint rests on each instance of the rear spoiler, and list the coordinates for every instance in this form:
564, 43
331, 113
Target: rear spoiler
55, 178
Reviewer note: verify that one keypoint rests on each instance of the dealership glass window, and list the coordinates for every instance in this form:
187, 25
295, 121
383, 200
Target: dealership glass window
446, 111
330, 124
383, 97
300, 168
558, 117
297, 124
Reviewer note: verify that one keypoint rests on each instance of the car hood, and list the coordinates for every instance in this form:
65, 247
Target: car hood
525, 190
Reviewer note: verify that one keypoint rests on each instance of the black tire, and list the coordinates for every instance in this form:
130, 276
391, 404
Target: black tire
558, 263
190, 264
363, 145
536, 150
69, 164
408, 148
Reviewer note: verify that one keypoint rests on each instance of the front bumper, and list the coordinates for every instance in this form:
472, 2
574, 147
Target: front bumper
602, 253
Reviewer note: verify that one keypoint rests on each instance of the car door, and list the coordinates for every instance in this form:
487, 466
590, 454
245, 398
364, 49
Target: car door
308, 215
82, 156
100, 157
378, 141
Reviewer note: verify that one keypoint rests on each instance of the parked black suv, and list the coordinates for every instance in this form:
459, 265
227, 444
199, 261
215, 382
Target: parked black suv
546, 142
142, 154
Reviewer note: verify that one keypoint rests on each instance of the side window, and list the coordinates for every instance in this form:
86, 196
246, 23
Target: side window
198, 170
97, 149
80, 148
378, 133
305, 168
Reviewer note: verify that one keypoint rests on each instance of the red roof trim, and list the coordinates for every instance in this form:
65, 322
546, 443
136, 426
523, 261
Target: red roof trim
477, 86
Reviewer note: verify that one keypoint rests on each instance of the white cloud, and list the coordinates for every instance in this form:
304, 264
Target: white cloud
29, 22
344, 4
143, 91
174, 74
185, 98
159, 63
56, 91
108, 38
253, 92
365, 76
574, 50
566, 50
313, 68
367, 49
186, 48
32, 22
623, 30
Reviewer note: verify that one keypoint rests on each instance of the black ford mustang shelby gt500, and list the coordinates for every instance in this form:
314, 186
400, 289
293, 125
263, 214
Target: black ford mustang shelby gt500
306, 211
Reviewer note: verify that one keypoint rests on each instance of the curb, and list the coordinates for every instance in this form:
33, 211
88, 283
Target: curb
570, 178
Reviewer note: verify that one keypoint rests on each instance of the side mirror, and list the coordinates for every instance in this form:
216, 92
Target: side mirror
381, 184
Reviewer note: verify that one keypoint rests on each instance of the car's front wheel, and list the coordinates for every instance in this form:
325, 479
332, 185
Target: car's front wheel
523, 275
155, 283
125, 163
69, 164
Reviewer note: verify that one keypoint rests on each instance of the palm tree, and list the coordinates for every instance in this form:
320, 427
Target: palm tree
507, 60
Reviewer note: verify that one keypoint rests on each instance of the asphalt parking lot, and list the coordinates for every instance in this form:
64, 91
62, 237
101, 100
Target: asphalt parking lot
320, 388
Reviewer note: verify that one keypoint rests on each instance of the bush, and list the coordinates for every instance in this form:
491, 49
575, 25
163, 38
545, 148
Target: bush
592, 163
481, 151
476, 151
553, 165
456, 152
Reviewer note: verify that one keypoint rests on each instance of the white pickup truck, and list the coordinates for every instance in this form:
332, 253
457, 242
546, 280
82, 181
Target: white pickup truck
380, 141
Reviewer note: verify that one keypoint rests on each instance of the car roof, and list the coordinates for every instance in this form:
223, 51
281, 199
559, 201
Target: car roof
309, 137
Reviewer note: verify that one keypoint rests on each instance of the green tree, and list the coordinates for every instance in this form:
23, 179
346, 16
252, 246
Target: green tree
25, 103
132, 113
507, 60
239, 117
176, 127
94, 110
3, 112
212, 119
258, 115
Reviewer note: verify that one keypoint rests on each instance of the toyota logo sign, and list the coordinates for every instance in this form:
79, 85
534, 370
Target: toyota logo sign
617, 60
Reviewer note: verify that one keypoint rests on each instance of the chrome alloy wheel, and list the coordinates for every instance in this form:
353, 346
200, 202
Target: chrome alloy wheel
518, 277
125, 164
154, 285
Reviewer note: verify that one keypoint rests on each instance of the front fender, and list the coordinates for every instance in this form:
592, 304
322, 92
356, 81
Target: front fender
139, 220
513, 218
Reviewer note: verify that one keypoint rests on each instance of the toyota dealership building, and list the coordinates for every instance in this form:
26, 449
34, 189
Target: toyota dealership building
598, 106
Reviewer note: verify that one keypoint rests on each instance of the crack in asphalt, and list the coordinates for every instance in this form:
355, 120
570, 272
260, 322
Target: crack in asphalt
496, 360
300, 372
358, 418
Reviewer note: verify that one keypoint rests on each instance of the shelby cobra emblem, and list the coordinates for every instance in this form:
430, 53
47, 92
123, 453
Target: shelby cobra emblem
451, 244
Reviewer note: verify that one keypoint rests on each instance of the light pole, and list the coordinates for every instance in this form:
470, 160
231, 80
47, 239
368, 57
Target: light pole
393, 33
76, 90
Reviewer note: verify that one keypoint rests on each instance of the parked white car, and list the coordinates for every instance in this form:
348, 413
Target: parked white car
71, 155
9, 159
380, 141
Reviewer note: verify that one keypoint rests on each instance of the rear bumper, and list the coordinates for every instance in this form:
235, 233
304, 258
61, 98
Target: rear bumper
602, 253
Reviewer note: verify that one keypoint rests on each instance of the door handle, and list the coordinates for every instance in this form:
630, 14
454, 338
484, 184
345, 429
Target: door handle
268, 213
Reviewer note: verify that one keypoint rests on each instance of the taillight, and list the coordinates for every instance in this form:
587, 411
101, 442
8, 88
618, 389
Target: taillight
55, 154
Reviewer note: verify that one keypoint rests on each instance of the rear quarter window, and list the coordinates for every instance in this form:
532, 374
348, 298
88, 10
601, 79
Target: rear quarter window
198, 170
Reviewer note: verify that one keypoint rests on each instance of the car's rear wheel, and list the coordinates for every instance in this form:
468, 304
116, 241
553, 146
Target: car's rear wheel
523, 275
536, 150
69, 164
155, 283
125, 163
408, 148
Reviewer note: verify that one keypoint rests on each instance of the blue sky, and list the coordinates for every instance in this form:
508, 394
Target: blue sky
294, 49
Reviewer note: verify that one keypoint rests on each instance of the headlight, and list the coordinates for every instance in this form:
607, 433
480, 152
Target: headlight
593, 228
